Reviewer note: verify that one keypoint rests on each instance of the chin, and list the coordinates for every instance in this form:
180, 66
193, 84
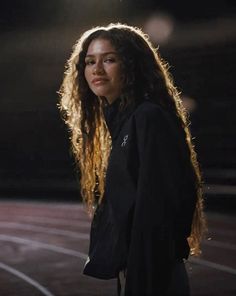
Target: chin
100, 94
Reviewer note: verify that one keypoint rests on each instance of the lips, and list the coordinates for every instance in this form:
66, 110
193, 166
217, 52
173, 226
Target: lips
98, 81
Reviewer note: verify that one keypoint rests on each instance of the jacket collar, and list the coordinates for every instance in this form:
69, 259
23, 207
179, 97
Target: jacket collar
115, 116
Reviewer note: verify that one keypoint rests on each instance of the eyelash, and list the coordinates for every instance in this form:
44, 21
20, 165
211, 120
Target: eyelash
91, 62
110, 60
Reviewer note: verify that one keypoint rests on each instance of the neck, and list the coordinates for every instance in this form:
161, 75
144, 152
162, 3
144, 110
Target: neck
111, 100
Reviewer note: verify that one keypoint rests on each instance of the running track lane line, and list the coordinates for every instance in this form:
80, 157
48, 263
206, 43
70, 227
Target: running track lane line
85, 236
25, 278
217, 244
77, 254
213, 265
18, 240
43, 220
48, 230
79, 235
46, 205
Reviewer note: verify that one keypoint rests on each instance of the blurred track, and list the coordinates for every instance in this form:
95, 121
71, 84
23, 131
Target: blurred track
44, 247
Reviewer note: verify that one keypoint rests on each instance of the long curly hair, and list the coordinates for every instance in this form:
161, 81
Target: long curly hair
145, 73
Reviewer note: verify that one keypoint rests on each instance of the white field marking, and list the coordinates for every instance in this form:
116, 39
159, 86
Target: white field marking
43, 220
71, 207
42, 213
217, 244
73, 213
19, 240
213, 231
77, 254
213, 265
27, 227
25, 278
44, 205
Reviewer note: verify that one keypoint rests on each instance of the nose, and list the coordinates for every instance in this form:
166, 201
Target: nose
98, 69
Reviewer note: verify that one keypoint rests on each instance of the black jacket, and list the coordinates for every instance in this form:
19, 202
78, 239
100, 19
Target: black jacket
145, 218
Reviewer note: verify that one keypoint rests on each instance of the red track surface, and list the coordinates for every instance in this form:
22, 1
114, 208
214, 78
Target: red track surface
44, 246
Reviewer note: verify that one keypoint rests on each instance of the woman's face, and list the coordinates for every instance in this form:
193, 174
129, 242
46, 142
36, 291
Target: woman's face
103, 70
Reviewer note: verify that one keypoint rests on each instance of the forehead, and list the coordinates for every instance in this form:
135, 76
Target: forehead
100, 46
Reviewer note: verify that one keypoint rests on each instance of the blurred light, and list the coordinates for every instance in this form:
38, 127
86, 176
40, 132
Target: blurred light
159, 27
189, 103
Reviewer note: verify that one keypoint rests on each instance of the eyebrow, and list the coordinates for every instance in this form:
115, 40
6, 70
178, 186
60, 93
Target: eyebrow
103, 54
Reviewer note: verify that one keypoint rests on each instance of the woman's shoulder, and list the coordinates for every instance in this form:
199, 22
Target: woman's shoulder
150, 112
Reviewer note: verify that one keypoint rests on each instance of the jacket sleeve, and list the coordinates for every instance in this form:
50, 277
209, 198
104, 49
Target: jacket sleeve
152, 248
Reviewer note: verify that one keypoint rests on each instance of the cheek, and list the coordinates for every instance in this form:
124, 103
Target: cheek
87, 74
118, 74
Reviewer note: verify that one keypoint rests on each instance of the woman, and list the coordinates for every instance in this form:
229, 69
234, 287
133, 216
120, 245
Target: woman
139, 172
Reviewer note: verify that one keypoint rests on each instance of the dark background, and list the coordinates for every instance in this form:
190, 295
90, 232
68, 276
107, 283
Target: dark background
36, 41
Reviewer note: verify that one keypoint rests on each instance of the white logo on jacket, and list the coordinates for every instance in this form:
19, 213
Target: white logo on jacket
124, 140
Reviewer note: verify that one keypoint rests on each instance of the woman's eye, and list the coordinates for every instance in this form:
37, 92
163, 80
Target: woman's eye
89, 62
109, 60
